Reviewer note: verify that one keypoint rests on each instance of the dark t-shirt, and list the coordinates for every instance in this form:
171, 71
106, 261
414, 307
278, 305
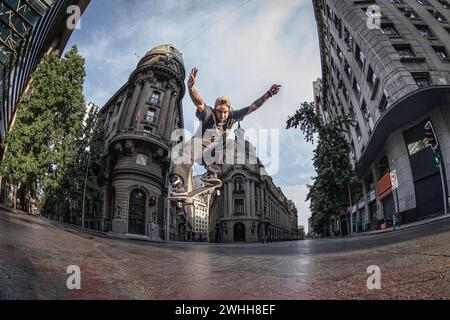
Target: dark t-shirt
209, 120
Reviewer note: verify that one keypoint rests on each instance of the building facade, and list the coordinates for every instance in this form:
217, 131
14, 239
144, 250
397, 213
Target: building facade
387, 63
140, 118
200, 213
250, 207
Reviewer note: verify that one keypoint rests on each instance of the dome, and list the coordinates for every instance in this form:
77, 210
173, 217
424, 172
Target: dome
162, 50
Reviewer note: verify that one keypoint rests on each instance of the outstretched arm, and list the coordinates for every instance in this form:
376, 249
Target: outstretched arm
258, 103
195, 95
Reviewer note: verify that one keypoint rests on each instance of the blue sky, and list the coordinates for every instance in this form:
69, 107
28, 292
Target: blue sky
240, 47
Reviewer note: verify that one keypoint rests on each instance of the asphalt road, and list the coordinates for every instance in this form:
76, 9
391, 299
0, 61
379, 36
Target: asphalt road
35, 254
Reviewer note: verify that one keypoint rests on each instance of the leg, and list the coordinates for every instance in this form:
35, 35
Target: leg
184, 156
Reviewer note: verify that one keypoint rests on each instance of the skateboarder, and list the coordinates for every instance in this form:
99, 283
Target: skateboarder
215, 125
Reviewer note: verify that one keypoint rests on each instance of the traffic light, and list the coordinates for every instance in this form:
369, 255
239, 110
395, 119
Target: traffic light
437, 158
431, 136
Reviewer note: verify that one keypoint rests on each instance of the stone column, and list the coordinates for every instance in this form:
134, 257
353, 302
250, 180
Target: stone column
121, 114
230, 200
247, 198
261, 202
252, 198
165, 106
171, 114
224, 199
143, 97
131, 106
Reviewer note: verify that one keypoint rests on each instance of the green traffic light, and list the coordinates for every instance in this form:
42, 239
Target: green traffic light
437, 159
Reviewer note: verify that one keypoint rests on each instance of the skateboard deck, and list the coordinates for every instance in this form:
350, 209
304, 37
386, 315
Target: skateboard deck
188, 196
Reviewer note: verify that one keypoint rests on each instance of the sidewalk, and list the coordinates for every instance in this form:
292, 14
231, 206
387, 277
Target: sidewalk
84, 232
402, 227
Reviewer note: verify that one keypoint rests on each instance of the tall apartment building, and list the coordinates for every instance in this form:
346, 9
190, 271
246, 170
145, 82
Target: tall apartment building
387, 62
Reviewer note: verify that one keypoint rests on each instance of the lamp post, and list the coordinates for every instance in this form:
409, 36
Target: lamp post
169, 155
84, 189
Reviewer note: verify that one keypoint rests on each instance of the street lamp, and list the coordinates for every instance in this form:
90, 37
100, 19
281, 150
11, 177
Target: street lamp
84, 189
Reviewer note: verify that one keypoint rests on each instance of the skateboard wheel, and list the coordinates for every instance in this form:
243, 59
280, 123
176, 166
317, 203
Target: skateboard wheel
218, 193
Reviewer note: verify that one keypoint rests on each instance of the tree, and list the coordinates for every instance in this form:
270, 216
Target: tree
42, 143
329, 192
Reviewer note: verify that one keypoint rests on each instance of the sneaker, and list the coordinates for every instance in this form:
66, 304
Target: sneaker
210, 177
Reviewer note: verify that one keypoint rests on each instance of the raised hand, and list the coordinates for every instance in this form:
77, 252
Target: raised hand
275, 89
192, 78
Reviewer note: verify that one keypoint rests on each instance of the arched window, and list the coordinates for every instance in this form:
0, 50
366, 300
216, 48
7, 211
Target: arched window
141, 159
239, 184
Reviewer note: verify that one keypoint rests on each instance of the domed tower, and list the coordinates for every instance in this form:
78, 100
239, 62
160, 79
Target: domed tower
139, 120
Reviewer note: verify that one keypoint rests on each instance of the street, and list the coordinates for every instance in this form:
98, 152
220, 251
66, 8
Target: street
35, 254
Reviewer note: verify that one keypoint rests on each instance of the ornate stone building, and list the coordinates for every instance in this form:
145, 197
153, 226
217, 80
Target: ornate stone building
200, 213
140, 118
250, 207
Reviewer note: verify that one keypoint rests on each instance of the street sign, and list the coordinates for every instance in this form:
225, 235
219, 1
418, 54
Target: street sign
394, 180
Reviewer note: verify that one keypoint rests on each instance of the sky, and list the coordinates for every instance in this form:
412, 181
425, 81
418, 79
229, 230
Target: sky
241, 48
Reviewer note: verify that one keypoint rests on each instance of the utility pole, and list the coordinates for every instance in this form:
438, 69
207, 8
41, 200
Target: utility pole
350, 211
84, 189
430, 134
167, 236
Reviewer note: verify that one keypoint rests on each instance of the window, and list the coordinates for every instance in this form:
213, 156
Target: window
383, 166
151, 115
409, 13
239, 185
357, 89
405, 51
360, 56
444, 3
423, 2
439, 17
155, 97
365, 111
424, 31
345, 93
348, 71
358, 132
371, 77
422, 80
339, 53
239, 206
389, 29
383, 104
141, 159
442, 53
348, 40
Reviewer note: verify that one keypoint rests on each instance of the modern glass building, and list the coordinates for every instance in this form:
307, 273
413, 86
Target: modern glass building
387, 63
28, 29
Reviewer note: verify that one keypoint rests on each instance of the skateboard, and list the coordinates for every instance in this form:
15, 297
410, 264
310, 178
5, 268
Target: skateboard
187, 198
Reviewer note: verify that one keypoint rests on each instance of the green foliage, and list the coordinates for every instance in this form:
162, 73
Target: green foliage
45, 139
329, 192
